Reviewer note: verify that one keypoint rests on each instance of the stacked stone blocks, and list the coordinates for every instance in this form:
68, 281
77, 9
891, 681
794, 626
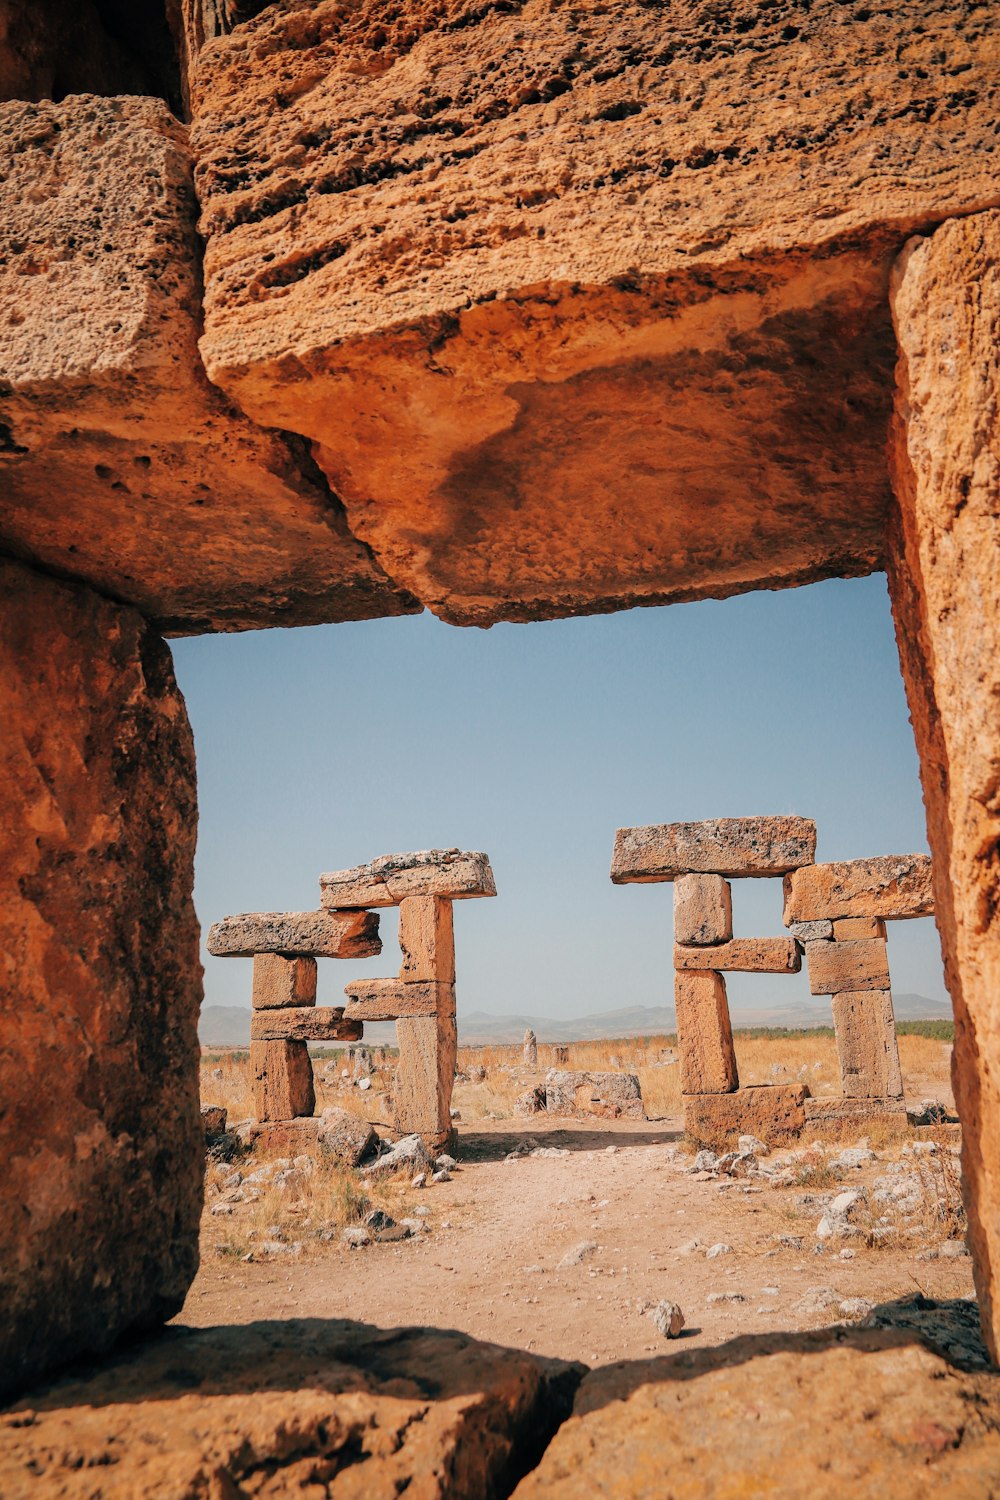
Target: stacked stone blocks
421, 1000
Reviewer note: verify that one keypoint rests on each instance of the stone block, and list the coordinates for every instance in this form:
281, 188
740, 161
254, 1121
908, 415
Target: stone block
848, 929
612, 283
345, 1136
122, 465
285, 1137
835, 968
610, 1096
427, 939
313, 1023
320, 934
282, 1080
424, 1078
101, 1147
743, 955
772, 1112
703, 909
279, 982
810, 932
454, 874
866, 1044
893, 886
388, 999
746, 847
213, 1120
704, 1034
529, 1049
838, 1109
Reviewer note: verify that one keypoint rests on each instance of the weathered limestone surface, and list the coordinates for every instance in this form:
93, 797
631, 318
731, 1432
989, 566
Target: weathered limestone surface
810, 932
846, 929
703, 909
859, 1413
773, 1112
704, 1034
836, 1109
101, 1145
425, 1072
508, 264
746, 955
280, 982
529, 1049
288, 1409
119, 463
455, 874
944, 565
325, 934
837, 967
282, 1080
313, 1023
609, 1095
346, 1136
866, 1044
894, 886
721, 846
427, 938
385, 999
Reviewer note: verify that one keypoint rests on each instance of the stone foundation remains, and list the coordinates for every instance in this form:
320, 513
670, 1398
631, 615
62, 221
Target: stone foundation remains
285, 946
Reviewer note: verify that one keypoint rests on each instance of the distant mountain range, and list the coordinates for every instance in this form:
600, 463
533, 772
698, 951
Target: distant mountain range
229, 1025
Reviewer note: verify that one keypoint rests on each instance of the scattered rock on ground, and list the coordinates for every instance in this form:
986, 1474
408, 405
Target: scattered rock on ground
345, 1136
667, 1318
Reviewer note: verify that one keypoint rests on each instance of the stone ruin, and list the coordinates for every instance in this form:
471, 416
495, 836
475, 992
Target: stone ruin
508, 311
836, 914
284, 947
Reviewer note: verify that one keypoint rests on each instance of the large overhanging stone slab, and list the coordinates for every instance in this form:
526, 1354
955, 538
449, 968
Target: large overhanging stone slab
718, 846
119, 463
584, 307
896, 887
743, 956
314, 934
455, 874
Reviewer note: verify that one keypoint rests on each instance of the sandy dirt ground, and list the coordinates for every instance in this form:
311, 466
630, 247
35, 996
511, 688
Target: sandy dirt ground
500, 1257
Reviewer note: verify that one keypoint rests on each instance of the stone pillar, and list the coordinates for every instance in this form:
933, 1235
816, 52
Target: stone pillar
865, 1029
944, 566
704, 1033
530, 1050
428, 1045
101, 1149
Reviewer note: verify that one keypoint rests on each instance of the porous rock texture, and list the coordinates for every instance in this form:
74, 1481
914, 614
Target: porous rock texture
101, 1145
894, 886
788, 1415
323, 934
546, 283
452, 874
771, 1111
748, 847
119, 463
309, 1406
943, 579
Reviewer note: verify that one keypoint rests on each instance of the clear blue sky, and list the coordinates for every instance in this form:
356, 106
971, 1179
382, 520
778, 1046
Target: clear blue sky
321, 748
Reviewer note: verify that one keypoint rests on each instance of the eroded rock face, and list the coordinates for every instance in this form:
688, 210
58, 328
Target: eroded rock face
943, 576
279, 1409
547, 285
100, 980
119, 463
821, 1415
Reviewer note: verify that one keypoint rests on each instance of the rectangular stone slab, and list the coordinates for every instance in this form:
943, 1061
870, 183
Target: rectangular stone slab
772, 1112
282, 1080
743, 955
720, 846
425, 1076
848, 929
704, 1034
322, 1023
839, 1110
387, 999
454, 874
319, 934
703, 909
427, 939
892, 886
865, 1029
835, 968
280, 982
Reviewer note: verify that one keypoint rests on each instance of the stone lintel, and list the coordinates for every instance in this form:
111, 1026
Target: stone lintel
323, 1023
388, 999
455, 874
747, 847
318, 934
743, 955
892, 886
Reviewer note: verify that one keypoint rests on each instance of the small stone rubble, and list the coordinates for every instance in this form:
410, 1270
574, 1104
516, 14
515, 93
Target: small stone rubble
609, 1095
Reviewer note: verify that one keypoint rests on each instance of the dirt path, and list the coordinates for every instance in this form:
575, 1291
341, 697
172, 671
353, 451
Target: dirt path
490, 1262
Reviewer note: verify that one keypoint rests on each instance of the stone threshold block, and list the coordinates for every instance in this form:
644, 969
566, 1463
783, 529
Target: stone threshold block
847, 929
388, 999
425, 1075
704, 1034
835, 968
455, 874
318, 934
747, 847
427, 939
703, 909
771, 1111
865, 1029
321, 1023
743, 955
839, 1109
892, 886
284, 1137
282, 1080
280, 982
